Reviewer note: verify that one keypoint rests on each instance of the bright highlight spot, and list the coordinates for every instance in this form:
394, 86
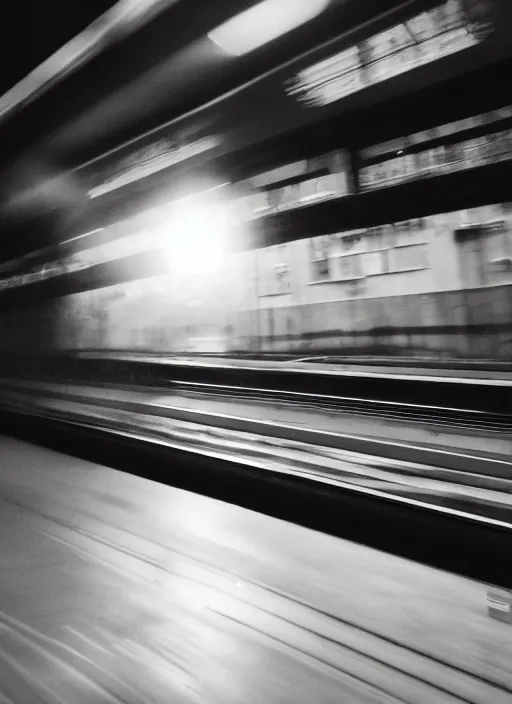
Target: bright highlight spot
197, 236
263, 23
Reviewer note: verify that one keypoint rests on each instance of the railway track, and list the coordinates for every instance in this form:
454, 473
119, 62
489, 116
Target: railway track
454, 417
462, 483
462, 401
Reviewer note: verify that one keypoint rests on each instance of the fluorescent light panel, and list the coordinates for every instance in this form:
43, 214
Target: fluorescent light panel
263, 23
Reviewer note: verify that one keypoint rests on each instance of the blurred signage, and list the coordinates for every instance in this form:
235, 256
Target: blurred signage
438, 132
303, 193
329, 80
150, 160
446, 29
292, 196
467, 154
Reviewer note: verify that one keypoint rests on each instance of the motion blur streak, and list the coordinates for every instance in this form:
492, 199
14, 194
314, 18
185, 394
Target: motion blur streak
124, 18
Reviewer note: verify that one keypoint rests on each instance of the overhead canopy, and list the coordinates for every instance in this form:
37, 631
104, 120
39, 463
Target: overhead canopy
169, 71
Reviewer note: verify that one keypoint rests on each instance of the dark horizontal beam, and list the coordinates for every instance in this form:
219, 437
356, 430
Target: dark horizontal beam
132, 268
480, 186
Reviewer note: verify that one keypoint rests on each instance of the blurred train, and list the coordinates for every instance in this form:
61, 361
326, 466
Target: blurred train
364, 207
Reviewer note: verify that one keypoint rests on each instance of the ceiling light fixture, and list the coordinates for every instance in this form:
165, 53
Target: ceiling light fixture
263, 23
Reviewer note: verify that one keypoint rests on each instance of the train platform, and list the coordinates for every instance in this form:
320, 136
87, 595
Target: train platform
116, 588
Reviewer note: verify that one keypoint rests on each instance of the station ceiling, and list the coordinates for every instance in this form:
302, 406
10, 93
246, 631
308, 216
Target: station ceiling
166, 55
157, 67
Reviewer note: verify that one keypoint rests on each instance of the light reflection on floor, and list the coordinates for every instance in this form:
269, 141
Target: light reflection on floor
115, 588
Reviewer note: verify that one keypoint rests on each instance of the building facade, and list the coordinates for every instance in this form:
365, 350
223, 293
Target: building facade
437, 286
